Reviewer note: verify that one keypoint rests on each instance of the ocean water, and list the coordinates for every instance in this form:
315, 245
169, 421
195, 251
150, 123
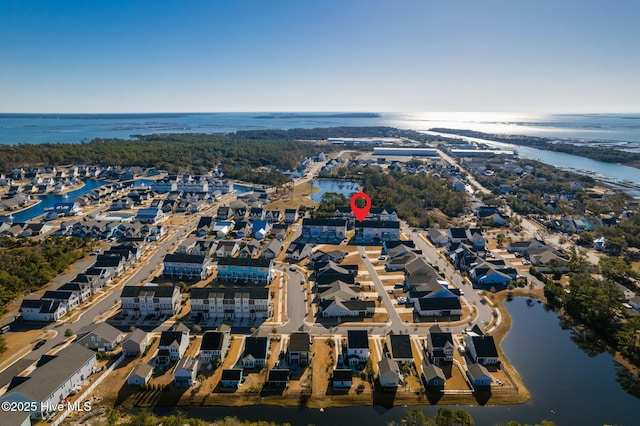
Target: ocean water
619, 130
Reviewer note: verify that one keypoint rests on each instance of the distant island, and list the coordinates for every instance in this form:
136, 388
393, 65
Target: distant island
307, 115
609, 155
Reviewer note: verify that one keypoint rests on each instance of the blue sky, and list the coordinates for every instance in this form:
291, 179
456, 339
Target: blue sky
311, 55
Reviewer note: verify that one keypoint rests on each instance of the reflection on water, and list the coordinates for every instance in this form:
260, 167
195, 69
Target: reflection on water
344, 187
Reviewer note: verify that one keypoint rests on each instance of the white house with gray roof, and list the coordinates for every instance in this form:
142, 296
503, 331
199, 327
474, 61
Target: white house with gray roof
100, 337
55, 379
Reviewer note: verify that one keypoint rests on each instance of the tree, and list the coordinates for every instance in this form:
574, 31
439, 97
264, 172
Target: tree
3, 345
68, 332
196, 329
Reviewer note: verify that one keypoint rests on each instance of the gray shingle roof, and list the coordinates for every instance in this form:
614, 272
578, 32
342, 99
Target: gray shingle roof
45, 380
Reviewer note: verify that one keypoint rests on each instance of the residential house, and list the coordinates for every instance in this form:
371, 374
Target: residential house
324, 229
338, 308
457, 235
389, 373
279, 231
256, 352
231, 378
443, 303
257, 271
189, 266
492, 273
399, 347
214, 345
82, 290
140, 375
439, 345
332, 272
149, 215
101, 337
376, 231
42, 310
278, 378
482, 349
205, 248
524, 246
69, 299
479, 375
342, 379
205, 225
185, 373
260, 229
227, 249
249, 249
320, 259
476, 238
222, 228
135, 343
291, 215
272, 249
241, 229
56, 377
433, 376
224, 213
298, 251
150, 299
357, 346
273, 216
231, 303
172, 346
299, 349
338, 290
257, 214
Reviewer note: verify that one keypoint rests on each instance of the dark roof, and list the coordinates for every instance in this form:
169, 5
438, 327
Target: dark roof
299, 342
49, 306
458, 233
256, 347
108, 261
232, 374
74, 286
59, 295
184, 258
401, 346
236, 261
438, 303
342, 375
31, 303
206, 221
168, 337
485, 346
229, 293
323, 222
358, 339
438, 339
278, 375
211, 341
386, 224
158, 291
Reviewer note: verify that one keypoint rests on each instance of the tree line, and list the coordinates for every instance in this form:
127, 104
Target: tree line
609, 155
415, 197
26, 264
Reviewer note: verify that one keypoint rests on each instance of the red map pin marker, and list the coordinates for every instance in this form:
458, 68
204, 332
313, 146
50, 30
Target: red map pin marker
360, 212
